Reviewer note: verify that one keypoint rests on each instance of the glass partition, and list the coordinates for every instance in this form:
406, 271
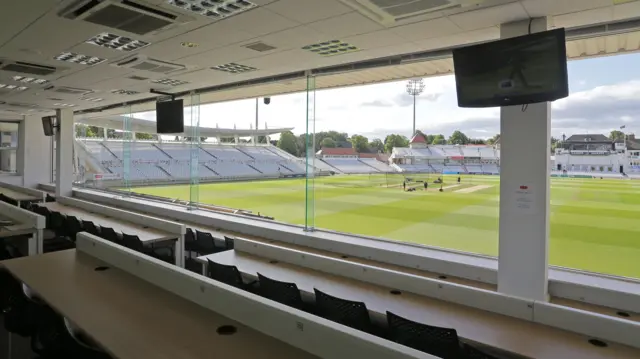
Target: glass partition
8, 147
196, 168
310, 155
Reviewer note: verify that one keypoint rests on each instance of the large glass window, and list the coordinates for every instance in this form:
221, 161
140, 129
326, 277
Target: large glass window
349, 160
8, 147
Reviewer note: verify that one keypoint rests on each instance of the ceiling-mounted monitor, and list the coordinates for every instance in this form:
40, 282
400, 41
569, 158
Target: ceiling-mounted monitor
515, 71
169, 117
48, 125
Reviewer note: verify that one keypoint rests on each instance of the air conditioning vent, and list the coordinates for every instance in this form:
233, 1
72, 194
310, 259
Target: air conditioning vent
143, 63
390, 12
260, 47
125, 15
70, 90
27, 68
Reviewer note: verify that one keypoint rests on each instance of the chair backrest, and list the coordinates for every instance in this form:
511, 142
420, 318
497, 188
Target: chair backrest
57, 220
109, 234
205, 242
50, 198
224, 273
3, 198
228, 242
473, 353
189, 236
346, 312
90, 227
281, 292
441, 342
132, 242
73, 225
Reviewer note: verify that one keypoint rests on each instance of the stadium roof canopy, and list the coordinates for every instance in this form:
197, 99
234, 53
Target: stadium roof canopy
146, 126
262, 51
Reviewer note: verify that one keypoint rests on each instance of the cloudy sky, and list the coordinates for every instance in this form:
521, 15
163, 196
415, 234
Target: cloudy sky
604, 95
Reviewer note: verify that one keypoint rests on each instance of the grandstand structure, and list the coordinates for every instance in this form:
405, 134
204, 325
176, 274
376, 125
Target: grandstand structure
592, 154
447, 159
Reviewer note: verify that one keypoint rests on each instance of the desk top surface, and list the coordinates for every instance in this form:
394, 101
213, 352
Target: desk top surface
145, 234
133, 319
509, 334
18, 196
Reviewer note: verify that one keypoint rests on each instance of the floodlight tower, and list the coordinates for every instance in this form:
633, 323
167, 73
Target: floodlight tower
414, 88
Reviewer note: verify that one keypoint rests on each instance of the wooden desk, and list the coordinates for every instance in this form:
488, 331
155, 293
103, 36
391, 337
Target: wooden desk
133, 319
516, 336
146, 234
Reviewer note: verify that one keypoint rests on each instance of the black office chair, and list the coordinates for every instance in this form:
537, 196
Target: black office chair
74, 226
281, 292
110, 235
49, 198
227, 274
133, 242
471, 352
228, 242
205, 243
90, 228
3, 198
441, 342
58, 224
190, 243
19, 313
342, 311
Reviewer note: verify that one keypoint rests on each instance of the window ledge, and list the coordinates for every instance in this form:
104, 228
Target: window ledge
593, 288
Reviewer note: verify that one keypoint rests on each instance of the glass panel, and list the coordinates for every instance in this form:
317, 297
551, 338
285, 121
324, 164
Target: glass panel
194, 139
8, 146
129, 171
310, 192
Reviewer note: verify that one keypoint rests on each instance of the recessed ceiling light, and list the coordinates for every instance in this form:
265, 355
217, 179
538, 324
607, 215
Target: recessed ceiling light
116, 42
331, 48
79, 58
170, 82
234, 68
188, 44
93, 99
58, 104
124, 92
13, 87
214, 9
29, 80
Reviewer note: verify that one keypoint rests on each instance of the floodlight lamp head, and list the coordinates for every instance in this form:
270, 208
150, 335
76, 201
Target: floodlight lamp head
415, 87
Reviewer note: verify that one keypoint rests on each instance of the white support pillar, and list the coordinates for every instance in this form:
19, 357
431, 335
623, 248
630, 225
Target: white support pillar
34, 152
524, 190
64, 152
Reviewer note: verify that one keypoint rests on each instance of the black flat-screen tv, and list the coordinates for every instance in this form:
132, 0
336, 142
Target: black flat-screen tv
48, 125
169, 117
515, 71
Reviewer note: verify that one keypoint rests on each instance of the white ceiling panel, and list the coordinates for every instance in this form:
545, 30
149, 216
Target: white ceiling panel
91, 76
293, 38
427, 29
583, 18
220, 56
17, 15
306, 11
490, 16
538, 8
375, 39
626, 11
471, 37
260, 22
346, 25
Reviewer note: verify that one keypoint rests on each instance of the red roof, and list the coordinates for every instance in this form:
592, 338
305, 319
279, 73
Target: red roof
418, 138
339, 151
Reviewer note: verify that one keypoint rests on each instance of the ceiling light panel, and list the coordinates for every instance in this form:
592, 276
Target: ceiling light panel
30, 80
170, 82
124, 92
79, 58
331, 48
116, 42
214, 9
13, 87
93, 99
59, 104
234, 68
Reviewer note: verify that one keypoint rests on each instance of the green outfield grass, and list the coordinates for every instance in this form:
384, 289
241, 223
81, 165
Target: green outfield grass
595, 223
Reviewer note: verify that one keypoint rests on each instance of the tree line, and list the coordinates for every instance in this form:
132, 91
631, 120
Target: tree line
296, 145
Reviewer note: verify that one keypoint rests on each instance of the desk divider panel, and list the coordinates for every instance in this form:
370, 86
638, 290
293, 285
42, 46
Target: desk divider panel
313, 334
22, 215
25, 190
588, 323
472, 297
